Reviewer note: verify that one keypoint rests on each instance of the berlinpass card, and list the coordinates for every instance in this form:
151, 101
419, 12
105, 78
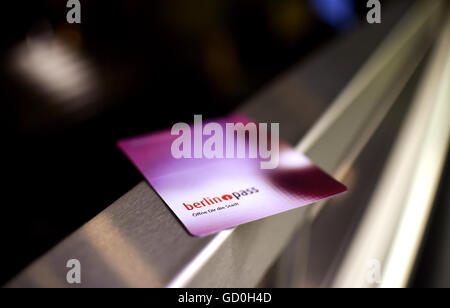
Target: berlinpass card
220, 174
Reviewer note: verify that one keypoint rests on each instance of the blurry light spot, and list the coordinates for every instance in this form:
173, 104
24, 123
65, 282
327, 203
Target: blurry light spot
57, 69
289, 19
339, 14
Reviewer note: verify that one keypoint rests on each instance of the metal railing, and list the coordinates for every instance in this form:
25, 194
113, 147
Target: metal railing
394, 224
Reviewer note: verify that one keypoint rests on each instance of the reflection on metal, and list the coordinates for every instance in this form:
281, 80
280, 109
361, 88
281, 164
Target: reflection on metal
346, 128
115, 248
364, 99
200, 260
393, 227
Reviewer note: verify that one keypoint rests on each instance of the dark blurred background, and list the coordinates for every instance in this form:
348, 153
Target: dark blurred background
68, 92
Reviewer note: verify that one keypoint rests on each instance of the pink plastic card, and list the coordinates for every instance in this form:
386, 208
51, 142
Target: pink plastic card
210, 194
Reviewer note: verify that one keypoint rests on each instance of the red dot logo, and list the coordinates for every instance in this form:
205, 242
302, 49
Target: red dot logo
227, 197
